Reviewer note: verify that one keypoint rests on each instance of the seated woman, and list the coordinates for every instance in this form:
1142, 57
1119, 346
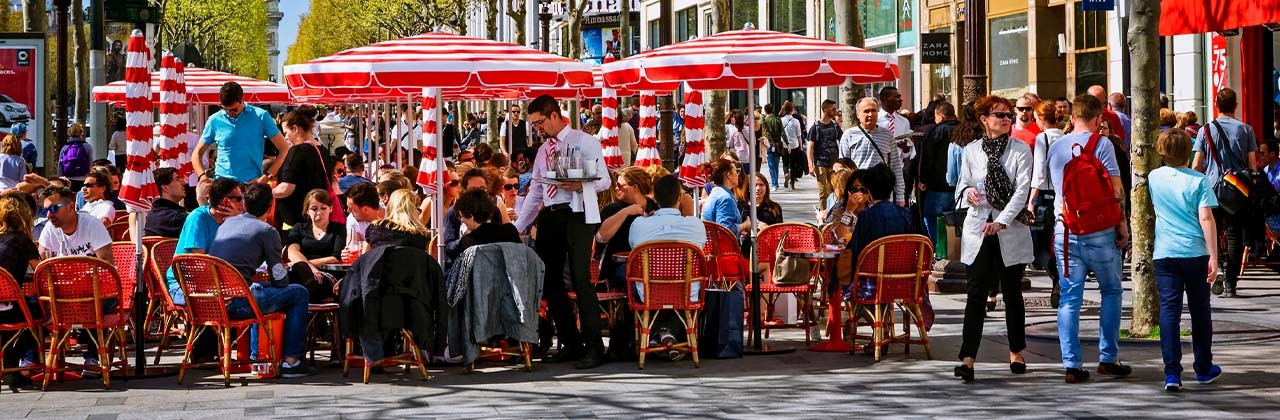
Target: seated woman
315, 242
18, 252
853, 199
402, 226
632, 191
473, 206
721, 206
768, 212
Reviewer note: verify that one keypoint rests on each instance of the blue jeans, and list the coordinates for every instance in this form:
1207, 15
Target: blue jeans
773, 168
932, 206
291, 300
1096, 253
1173, 276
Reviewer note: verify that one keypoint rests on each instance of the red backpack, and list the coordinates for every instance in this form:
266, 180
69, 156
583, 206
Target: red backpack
1088, 200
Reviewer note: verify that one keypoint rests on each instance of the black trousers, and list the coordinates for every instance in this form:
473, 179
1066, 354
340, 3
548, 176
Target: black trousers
1233, 227
987, 272
797, 164
564, 237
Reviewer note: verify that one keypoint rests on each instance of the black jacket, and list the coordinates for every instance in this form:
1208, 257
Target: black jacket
934, 151
393, 287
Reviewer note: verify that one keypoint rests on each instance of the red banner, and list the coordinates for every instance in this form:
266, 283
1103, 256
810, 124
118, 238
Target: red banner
17, 87
1218, 66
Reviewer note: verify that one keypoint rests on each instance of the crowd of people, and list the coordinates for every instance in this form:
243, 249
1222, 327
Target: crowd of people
279, 207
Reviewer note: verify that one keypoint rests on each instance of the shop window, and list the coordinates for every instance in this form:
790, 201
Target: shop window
686, 24
787, 16
1009, 55
878, 17
1091, 69
1090, 48
829, 24
744, 12
655, 40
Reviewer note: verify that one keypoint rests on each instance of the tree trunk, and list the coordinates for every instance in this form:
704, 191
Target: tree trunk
517, 11
624, 27
849, 32
80, 62
34, 17
719, 99
491, 107
1144, 51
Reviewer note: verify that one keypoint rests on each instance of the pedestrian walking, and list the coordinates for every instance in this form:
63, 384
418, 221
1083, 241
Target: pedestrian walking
868, 145
994, 183
823, 149
774, 137
937, 195
1185, 257
1088, 246
791, 128
1042, 196
1224, 145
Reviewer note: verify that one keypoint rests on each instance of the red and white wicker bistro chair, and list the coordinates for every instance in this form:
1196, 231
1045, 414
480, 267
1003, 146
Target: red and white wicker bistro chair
892, 272
83, 293
666, 276
210, 284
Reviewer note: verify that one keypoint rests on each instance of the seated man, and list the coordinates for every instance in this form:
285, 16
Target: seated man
881, 218
201, 226
70, 233
167, 215
355, 173
96, 187
363, 207
246, 242
665, 224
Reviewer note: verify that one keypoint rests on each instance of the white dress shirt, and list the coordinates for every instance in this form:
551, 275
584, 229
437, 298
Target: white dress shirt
900, 126
538, 197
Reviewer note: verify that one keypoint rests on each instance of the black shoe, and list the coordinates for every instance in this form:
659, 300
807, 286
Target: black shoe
1114, 369
1217, 287
565, 355
296, 371
592, 360
1077, 375
965, 373
15, 381
1018, 368
991, 305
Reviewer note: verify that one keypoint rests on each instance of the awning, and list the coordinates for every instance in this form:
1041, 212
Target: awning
1179, 17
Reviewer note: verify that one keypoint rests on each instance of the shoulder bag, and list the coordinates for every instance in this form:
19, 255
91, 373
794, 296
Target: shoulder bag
788, 270
337, 216
1232, 189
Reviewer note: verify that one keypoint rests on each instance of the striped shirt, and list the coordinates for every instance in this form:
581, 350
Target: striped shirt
855, 146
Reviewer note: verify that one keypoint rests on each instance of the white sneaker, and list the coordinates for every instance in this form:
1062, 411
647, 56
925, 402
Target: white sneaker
89, 372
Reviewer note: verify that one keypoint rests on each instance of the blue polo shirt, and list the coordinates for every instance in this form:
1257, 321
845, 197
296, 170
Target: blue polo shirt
240, 142
198, 232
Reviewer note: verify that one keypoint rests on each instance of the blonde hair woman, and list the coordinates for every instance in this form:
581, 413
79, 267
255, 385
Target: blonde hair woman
402, 225
12, 167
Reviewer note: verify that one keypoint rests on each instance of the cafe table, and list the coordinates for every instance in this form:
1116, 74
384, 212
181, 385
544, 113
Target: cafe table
825, 255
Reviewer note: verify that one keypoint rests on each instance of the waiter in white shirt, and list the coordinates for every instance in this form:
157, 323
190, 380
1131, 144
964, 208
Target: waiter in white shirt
897, 125
567, 218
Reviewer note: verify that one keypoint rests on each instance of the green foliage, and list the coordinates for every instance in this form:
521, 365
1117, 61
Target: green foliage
336, 25
231, 34
10, 21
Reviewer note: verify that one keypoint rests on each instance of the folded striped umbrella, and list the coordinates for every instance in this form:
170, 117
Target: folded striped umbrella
137, 188
695, 151
647, 155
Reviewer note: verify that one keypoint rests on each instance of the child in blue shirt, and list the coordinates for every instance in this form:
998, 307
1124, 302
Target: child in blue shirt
1186, 257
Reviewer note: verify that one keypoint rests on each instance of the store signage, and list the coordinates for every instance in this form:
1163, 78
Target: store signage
935, 48
1218, 65
1098, 5
594, 7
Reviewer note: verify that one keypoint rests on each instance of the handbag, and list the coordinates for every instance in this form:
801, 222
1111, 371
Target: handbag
788, 270
1232, 189
337, 215
720, 324
955, 217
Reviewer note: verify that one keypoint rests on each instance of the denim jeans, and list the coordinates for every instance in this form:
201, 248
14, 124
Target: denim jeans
1173, 276
773, 168
290, 300
933, 205
1097, 253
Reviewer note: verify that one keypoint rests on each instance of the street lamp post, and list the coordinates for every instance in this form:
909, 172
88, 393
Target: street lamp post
975, 52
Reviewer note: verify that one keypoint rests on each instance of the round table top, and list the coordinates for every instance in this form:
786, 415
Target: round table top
823, 253
335, 267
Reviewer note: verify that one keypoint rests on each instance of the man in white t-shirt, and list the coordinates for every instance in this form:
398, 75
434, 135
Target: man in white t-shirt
363, 208
71, 233
96, 186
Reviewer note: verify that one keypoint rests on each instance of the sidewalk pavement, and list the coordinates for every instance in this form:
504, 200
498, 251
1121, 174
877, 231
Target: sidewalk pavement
802, 384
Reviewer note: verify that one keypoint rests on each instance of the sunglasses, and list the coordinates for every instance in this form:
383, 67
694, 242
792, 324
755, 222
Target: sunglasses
855, 190
89, 185
1004, 115
510, 186
55, 207
1024, 108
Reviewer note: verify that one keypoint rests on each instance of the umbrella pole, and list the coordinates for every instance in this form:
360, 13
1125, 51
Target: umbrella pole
139, 299
438, 218
757, 346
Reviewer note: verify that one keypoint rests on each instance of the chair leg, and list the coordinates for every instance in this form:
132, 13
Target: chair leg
527, 350
691, 329
806, 302
224, 337
51, 362
924, 333
642, 340
417, 357
104, 356
164, 337
346, 361
186, 354
878, 321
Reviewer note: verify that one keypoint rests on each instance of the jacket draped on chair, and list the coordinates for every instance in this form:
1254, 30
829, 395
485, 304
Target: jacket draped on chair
495, 290
390, 288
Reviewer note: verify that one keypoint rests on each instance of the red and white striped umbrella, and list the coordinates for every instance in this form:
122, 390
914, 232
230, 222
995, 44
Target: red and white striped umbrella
609, 130
173, 113
203, 86
430, 165
439, 60
647, 155
695, 151
137, 188
727, 60
186, 140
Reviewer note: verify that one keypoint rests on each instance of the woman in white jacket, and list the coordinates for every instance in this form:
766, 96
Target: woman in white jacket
995, 182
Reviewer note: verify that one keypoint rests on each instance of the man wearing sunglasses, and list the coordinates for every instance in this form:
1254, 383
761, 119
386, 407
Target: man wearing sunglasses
515, 131
1024, 122
95, 188
239, 132
70, 233
568, 217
